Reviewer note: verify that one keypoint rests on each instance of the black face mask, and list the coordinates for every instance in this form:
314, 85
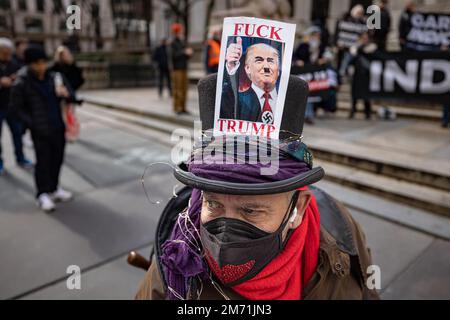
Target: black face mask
237, 251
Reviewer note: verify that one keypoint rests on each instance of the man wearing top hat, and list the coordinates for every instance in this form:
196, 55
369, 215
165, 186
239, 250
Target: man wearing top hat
262, 67
235, 233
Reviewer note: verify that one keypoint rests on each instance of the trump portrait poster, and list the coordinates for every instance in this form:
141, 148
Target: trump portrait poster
253, 76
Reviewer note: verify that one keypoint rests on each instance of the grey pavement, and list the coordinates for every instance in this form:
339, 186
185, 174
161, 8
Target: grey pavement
111, 215
404, 141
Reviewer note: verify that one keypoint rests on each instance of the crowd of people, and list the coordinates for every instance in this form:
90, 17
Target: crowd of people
171, 58
36, 96
317, 48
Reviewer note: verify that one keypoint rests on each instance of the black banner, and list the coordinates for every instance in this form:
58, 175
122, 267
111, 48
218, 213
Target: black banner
429, 31
404, 76
320, 79
348, 32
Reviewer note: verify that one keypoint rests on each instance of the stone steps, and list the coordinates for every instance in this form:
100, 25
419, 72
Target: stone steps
390, 175
400, 191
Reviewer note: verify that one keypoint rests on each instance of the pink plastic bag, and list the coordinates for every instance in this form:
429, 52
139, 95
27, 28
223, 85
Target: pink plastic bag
72, 124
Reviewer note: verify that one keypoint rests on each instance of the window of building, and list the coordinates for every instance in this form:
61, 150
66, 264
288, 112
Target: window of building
57, 6
40, 5
33, 25
4, 4
23, 5
3, 24
319, 10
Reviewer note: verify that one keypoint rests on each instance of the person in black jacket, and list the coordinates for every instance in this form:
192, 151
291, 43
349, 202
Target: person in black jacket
404, 26
380, 35
180, 55
64, 63
35, 97
8, 71
18, 57
364, 46
161, 58
311, 50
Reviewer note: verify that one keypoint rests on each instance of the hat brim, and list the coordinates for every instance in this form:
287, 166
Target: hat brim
182, 174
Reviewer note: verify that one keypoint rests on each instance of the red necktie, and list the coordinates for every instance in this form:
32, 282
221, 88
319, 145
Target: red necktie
266, 106
267, 114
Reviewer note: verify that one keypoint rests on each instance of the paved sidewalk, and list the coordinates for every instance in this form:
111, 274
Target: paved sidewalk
421, 144
110, 215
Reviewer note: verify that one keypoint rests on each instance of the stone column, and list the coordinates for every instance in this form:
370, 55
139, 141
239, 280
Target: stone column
302, 11
336, 10
197, 16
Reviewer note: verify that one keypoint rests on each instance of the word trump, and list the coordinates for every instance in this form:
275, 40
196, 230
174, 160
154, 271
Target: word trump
229, 126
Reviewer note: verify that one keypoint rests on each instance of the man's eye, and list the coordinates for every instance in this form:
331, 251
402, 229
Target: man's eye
212, 204
249, 212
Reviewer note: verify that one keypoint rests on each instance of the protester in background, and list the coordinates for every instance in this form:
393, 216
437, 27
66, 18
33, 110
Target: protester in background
18, 57
404, 25
313, 52
161, 58
445, 115
445, 107
8, 71
365, 45
324, 32
36, 97
65, 64
311, 49
213, 52
356, 16
180, 55
380, 34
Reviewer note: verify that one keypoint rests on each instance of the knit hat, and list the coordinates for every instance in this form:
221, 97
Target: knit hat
34, 53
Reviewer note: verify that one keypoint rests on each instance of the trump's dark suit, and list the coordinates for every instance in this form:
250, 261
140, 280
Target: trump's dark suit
248, 106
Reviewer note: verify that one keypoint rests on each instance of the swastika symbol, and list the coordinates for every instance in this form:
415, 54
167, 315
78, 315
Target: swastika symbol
267, 117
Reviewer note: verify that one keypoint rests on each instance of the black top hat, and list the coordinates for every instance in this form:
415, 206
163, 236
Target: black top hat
291, 129
294, 106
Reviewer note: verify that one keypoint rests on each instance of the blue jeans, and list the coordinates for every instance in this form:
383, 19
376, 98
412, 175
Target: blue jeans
346, 61
445, 114
16, 129
309, 113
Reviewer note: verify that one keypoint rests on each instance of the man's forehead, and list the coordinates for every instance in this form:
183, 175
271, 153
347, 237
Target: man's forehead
261, 199
263, 52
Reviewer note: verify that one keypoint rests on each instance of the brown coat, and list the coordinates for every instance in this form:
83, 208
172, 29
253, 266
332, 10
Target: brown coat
341, 270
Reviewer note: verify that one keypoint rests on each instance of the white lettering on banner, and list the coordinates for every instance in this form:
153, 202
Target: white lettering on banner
408, 79
442, 22
430, 37
429, 67
376, 70
430, 29
393, 73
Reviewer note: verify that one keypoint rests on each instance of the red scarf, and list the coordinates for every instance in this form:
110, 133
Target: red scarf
285, 277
